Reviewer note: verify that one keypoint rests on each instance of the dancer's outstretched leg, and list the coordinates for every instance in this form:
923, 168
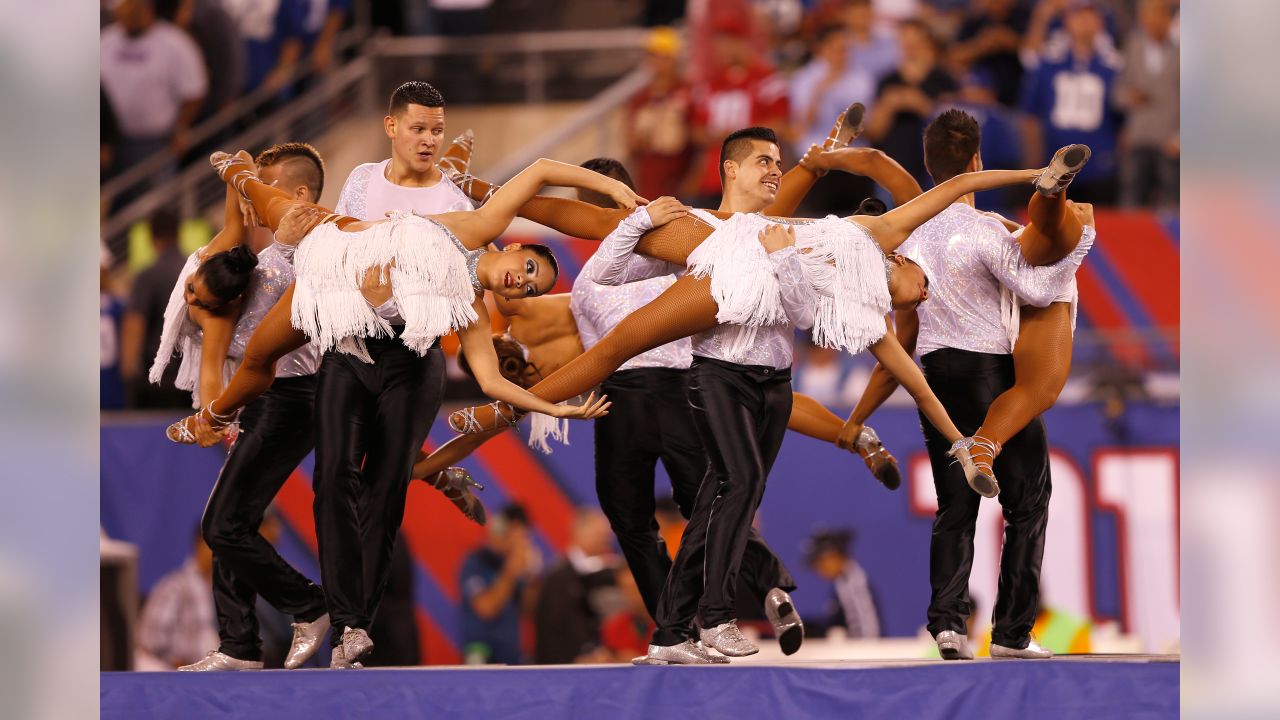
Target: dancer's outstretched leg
684, 309
269, 202
1042, 361
1056, 224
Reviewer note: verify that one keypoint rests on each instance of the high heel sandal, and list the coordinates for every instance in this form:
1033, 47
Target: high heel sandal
1062, 169
881, 464
455, 483
457, 158
223, 162
847, 128
977, 473
465, 422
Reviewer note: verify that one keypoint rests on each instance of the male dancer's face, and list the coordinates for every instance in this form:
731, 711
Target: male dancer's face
753, 181
416, 134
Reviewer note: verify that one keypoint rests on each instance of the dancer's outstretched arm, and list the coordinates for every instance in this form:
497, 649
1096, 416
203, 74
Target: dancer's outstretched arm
892, 228
882, 383
895, 360
233, 231
477, 345
477, 227
218, 330
874, 164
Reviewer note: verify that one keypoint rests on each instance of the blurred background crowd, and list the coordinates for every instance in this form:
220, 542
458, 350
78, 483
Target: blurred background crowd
657, 84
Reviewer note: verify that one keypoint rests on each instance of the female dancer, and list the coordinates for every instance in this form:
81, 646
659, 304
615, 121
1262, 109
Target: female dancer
1042, 354
689, 307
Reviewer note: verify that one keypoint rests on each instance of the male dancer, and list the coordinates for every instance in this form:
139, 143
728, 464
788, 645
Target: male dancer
275, 435
963, 336
411, 179
740, 392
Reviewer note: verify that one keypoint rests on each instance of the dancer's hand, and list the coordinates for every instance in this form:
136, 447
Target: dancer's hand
777, 237
815, 160
848, 436
297, 223
589, 410
624, 196
206, 434
665, 209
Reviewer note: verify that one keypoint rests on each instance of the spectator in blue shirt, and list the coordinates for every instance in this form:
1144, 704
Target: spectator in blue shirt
495, 592
1066, 96
273, 31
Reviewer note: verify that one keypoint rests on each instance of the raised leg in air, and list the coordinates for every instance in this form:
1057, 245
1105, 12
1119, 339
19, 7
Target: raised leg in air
1042, 362
681, 310
269, 202
1056, 223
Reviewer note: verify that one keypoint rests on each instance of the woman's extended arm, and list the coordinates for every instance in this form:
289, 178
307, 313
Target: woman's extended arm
218, 330
888, 351
450, 453
477, 345
477, 227
892, 228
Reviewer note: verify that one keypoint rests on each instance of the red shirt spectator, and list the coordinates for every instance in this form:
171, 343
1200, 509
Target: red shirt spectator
658, 120
745, 91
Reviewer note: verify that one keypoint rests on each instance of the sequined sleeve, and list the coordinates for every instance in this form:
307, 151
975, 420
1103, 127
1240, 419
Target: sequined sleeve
618, 262
1034, 285
797, 300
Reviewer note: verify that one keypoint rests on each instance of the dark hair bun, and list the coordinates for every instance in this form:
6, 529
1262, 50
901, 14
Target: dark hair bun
241, 258
871, 206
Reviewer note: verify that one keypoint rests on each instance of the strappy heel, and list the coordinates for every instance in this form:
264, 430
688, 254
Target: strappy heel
456, 484
847, 128
223, 163
466, 422
881, 464
977, 473
1062, 169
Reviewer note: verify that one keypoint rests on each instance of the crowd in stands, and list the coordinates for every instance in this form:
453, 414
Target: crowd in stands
1037, 74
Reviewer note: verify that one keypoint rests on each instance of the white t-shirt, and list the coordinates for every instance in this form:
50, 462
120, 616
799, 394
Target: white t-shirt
147, 78
369, 195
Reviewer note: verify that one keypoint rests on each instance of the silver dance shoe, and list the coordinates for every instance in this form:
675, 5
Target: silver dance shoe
338, 661
727, 639
979, 475
355, 644
847, 128
217, 661
787, 625
686, 653
306, 640
953, 646
1062, 169
1032, 651
881, 464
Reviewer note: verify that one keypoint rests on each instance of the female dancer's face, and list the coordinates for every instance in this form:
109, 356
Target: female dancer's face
908, 285
517, 273
197, 294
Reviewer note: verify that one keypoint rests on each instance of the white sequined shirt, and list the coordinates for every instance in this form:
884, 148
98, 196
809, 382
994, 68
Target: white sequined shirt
369, 195
968, 257
598, 308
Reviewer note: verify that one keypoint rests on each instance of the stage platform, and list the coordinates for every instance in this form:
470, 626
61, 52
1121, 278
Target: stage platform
1093, 687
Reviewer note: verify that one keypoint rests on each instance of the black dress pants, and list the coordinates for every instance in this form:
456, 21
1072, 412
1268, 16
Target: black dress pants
371, 419
740, 413
275, 435
966, 383
651, 421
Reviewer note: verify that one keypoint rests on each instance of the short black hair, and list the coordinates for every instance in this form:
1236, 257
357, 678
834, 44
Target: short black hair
738, 144
950, 141
301, 159
545, 253
608, 167
871, 206
227, 274
414, 92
